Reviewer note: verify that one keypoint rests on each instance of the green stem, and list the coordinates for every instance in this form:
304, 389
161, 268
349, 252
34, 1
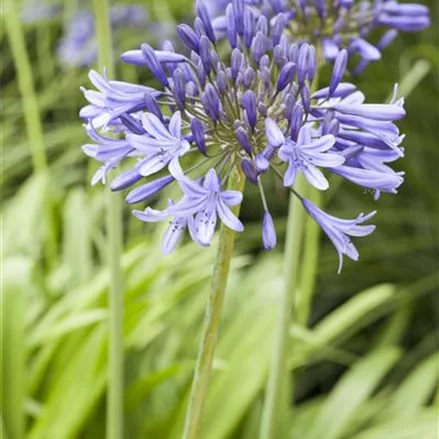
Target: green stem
280, 385
23, 69
212, 320
32, 116
308, 273
114, 235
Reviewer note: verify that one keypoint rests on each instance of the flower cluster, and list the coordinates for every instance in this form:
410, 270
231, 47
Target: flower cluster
337, 24
255, 110
78, 47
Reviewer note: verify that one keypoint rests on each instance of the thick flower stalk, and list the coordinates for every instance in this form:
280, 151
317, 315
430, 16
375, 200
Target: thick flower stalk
339, 24
252, 109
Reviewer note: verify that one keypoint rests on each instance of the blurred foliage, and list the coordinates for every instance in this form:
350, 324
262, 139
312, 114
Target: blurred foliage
366, 366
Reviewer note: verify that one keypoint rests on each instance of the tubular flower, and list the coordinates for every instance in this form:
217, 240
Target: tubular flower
253, 111
338, 24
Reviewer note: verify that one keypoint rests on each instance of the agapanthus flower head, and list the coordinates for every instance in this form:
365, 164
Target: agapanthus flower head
252, 111
337, 24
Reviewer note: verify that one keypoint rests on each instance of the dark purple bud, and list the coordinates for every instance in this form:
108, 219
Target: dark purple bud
152, 106
242, 138
320, 8
149, 189
278, 28
338, 71
249, 76
258, 47
286, 76
249, 170
236, 63
201, 74
304, 94
262, 164
221, 82
249, 27
312, 67
203, 13
205, 46
268, 152
153, 64
302, 63
262, 25
289, 102
268, 232
132, 124
125, 180
198, 135
232, 32
211, 102
189, 37
238, 11
249, 103
179, 89
296, 121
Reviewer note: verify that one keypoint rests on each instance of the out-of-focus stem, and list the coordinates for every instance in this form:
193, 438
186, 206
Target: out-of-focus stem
114, 236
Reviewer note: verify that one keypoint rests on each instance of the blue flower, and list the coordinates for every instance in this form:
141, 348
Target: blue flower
304, 155
113, 99
162, 145
339, 230
200, 207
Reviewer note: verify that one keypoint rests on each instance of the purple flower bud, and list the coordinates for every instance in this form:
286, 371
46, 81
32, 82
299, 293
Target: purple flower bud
262, 25
199, 27
338, 71
293, 53
236, 63
179, 89
289, 101
387, 39
242, 138
264, 62
132, 124
221, 81
320, 8
153, 64
249, 170
148, 190
249, 76
125, 180
258, 47
304, 94
268, 232
249, 103
249, 27
278, 28
343, 89
232, 32
286, 75
302, 63
296, 121
211, 102
189, 37
152, 106
238, 11
312, 67
198, 135
205, 53
203, 13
